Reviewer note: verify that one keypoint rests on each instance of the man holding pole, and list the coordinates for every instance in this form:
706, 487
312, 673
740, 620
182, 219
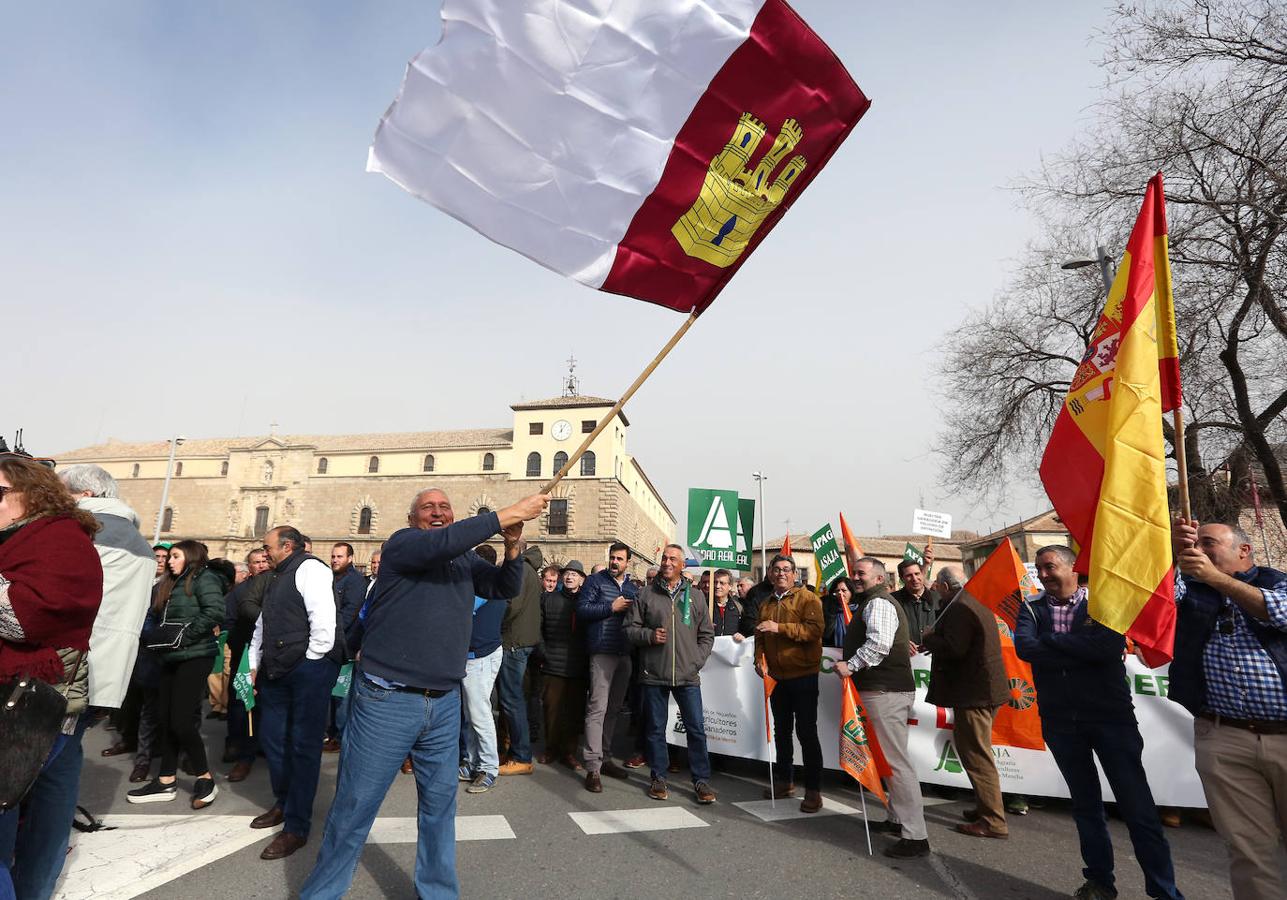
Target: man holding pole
788, 648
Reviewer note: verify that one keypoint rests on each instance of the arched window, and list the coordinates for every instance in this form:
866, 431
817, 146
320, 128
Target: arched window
364, 520
135, 473
167, 519
178, 469
489, 462
587, 463
560, 460
223, 469
533, 465
484, 510
322, 463
373, 464
428, 466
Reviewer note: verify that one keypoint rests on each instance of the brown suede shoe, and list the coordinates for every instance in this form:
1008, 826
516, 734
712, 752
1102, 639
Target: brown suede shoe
979, 830
283, 846
812, 802
658, 790
515, 767
593, 783
270, 819
240, 771
779, 791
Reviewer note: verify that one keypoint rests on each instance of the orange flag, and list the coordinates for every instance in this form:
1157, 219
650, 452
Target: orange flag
769, 685
1001, 584
1104, 468
859, 752
786, 546
853, 550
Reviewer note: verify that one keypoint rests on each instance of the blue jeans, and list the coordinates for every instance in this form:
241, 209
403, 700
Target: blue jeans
478, 728
385, 726
1119, 747
689, 699
292, 722
509, 684
39, 848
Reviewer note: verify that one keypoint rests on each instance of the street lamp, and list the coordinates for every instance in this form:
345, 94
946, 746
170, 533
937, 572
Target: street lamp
760, 477
165, 489
1103, 260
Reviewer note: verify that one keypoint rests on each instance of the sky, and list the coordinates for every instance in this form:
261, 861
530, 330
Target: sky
190, 244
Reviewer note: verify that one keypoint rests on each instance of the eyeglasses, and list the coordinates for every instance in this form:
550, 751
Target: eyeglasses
781, 570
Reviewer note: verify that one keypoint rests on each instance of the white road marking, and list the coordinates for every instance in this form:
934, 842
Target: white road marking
402, 830
789, 808
652, 818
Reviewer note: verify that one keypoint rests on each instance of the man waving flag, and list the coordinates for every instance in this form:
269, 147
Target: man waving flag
1105, 466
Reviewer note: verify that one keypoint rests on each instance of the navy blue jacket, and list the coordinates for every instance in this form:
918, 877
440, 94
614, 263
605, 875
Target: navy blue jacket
1080, 675
603, 627
485, 636
1197, 613
418, 620
350, 593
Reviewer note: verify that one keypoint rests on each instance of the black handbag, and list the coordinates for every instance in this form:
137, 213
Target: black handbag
31, 718
167, 635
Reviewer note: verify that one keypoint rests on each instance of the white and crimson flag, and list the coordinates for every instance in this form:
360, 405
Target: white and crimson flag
643, 148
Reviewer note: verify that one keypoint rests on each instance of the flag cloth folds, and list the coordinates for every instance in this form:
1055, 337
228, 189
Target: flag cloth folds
1104, 468
642, 149
858, 748
853, 551
242, 685
1002, 584
769, 684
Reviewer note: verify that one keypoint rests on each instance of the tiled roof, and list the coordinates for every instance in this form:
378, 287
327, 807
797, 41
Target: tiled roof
1046, 521
325, 443
561, 402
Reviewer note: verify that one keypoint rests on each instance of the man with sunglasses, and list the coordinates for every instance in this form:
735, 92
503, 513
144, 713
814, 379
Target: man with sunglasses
1230, 671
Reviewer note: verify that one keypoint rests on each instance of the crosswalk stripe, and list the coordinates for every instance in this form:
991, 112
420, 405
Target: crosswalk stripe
789, 808
402, 829
652, 818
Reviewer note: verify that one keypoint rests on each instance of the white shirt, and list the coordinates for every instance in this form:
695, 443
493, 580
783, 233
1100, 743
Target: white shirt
313, 581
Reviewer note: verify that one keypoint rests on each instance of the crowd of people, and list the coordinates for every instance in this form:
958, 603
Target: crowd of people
396, 670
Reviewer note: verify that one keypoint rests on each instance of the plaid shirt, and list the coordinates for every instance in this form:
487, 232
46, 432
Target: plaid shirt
1062, 611
881, 620
1242, 680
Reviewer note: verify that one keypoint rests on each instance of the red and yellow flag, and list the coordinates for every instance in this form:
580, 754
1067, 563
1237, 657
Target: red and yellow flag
1001, 584
1104, 468
860, 754
853, 551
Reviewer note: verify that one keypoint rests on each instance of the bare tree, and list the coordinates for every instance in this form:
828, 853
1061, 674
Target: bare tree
1197, 90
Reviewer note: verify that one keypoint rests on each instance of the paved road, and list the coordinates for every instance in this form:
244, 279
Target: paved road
527, 838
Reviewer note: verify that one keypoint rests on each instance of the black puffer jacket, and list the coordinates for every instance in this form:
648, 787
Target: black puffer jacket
562, 637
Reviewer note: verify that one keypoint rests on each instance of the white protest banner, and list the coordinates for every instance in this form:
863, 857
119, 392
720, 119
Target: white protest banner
937, 524
733, 703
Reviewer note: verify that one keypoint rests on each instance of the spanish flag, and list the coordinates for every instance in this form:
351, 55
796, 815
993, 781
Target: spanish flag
1105, 466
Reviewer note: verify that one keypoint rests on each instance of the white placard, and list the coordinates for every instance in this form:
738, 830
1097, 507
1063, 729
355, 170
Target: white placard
933, 523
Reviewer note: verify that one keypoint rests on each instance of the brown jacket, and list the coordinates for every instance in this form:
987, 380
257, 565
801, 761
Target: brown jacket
966, 668
796, 649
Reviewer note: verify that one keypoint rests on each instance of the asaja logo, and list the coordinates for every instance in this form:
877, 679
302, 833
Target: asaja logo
948, 761
1022, 694
856, 730
735, 199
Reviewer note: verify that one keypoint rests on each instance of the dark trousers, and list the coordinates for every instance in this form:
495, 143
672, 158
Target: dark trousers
688, 697
292, 721
564, 700
242, 743
127, 717
1119, 747
183, 686
795, 707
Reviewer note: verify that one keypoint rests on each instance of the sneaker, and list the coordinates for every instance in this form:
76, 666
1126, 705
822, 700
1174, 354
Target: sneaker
705, 795
1093, 890
515, 767
481, 784
658, 790
1016, 805
636, 762
464, 774
906, 849
155, 792
204, 793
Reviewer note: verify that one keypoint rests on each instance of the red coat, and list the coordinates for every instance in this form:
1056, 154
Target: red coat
55, 587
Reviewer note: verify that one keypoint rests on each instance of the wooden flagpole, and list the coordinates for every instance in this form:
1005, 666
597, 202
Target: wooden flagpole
612, 414
1181, 463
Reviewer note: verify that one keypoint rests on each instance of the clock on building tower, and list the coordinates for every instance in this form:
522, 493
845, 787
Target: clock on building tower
561, 430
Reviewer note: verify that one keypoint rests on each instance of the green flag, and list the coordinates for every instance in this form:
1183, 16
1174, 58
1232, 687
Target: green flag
241, 683
343, 683
827, 552
914, 555
219, 645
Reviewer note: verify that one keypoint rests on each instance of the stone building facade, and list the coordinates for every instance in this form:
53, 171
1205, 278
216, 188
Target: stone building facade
226, 492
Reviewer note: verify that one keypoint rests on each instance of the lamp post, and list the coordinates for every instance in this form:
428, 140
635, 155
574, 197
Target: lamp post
760, 478
165, 489
1106, 269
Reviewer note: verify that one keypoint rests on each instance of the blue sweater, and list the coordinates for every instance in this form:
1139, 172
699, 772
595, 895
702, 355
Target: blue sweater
419, 616
486, 635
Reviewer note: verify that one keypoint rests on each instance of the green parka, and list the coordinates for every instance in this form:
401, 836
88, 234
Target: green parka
202, 608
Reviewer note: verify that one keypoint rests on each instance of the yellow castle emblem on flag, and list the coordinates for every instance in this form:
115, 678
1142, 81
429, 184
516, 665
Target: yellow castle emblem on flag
735, 199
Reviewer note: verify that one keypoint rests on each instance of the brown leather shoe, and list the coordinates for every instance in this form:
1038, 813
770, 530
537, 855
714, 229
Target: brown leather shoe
119, 750
240, 771
270, 819
812, 802
612, 770
705, 795
593, 783
779, 791
980, 830
140, 773
572, 763
407, 767
283, 846
330, 745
